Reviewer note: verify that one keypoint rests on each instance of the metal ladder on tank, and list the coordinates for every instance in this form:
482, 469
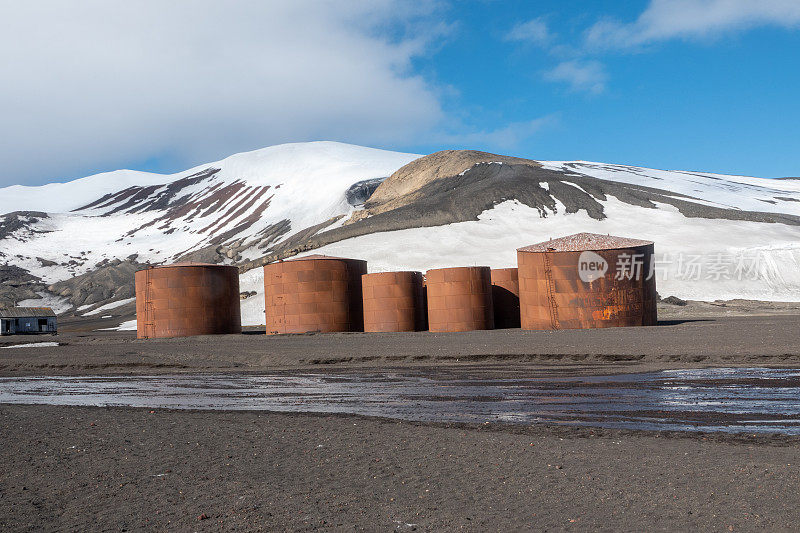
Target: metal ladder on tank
149, 323
551, 290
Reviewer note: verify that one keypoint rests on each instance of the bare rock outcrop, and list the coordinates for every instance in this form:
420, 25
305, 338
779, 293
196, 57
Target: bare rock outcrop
110, 281
403, 186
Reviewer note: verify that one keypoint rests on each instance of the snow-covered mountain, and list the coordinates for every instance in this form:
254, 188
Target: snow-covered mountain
248, 198
226, 211
75, 245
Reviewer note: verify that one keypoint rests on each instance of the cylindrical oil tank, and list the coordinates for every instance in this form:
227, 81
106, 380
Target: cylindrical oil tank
393, 301
187, 299
505, 297
316, 293
587, 281
460, 299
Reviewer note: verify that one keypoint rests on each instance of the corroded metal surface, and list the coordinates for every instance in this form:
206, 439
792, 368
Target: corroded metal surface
459, 299
607, 287
505, 297
314, 294
187, 299
581, 242
393, 301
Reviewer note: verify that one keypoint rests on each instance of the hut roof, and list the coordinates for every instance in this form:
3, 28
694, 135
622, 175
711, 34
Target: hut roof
580, 242
25, 312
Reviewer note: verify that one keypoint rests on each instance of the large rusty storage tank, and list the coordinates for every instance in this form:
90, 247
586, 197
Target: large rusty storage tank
505, 297
393, 301
587, 281
316, 293
187, 299
460, 299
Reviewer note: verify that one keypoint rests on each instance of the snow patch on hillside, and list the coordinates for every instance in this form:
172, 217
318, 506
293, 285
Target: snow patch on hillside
32, 345
493, 239
253, 307
56, 303
737, 192
112, 305
129, 325
64, 197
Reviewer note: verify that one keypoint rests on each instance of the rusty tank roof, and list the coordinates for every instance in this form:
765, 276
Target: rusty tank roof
319, 257
581, 242
462, 268
185, 264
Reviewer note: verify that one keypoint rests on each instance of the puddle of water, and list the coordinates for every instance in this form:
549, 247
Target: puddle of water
724, 399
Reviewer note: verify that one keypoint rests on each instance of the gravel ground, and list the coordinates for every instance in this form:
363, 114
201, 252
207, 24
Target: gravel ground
95, 469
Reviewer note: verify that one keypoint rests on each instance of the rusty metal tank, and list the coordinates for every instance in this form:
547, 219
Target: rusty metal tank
187, 299
316, 293
393, 301
459, 299
505, 297
587, 280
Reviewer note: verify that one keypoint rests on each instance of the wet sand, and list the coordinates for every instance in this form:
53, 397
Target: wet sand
731, 400
95, 469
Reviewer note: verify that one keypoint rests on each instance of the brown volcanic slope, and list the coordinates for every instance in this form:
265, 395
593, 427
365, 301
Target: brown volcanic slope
420, 172
458, 185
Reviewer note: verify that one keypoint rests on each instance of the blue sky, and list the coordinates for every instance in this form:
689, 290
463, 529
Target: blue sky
719, 99
706, 85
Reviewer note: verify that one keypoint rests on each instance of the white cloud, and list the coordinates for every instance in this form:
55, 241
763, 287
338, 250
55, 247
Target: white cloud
588, 76
668, 19
93, 83
508, 137
534, 31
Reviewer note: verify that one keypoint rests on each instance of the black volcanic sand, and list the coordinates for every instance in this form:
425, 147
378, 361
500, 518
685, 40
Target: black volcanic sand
103, 469
676, 343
